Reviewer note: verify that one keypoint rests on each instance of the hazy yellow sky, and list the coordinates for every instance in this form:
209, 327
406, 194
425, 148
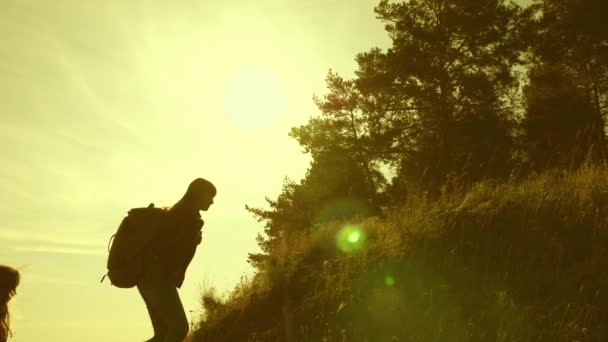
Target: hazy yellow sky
108, 105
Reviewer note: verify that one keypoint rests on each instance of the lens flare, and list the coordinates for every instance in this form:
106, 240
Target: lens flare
354, 237
350, 238
389, 280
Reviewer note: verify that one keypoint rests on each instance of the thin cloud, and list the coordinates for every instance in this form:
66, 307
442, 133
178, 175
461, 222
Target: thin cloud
15, 237
57, 250
40, 278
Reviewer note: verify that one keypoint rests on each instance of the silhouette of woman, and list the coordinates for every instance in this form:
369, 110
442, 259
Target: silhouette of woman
9, 280
167, 258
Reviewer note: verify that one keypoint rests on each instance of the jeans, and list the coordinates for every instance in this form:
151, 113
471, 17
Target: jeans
162, 301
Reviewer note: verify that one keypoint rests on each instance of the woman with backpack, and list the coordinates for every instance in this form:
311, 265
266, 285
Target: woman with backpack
9, 280
166, 259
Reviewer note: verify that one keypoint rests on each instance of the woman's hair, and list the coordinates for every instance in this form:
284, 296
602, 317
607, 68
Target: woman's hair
9, 280
196, 188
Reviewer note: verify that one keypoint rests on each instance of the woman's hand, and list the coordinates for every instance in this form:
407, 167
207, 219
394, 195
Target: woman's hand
199, 237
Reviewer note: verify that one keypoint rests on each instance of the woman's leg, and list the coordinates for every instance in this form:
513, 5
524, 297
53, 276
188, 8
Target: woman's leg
172, 312
157, 320
146, 288
164, 305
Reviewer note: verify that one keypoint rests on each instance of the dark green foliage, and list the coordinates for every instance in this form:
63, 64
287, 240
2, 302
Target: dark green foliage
561, 127
451, 61
334, 188
435, 104
567, 98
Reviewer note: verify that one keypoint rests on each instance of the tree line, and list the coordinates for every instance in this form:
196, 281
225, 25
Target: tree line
468, 91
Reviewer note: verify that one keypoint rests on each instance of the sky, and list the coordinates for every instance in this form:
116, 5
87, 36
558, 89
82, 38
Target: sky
114, 104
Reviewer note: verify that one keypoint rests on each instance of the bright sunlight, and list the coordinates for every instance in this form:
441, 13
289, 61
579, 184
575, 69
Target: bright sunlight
253, 97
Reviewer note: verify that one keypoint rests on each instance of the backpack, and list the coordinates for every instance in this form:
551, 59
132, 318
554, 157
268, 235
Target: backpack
126, 247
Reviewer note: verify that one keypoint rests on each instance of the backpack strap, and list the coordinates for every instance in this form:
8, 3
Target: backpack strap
110, 241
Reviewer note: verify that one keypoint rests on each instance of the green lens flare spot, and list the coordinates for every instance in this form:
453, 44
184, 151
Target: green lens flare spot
389, 281
350, 238
354, 237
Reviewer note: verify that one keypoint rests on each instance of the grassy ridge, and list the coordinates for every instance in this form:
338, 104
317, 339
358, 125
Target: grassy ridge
523, 260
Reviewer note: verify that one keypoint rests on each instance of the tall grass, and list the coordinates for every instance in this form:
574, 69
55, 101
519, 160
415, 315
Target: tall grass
523, 260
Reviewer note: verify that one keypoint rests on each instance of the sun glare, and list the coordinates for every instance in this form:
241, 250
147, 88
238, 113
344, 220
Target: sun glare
350, 238
253, 97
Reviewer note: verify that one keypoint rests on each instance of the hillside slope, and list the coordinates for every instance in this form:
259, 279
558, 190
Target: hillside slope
518, 261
